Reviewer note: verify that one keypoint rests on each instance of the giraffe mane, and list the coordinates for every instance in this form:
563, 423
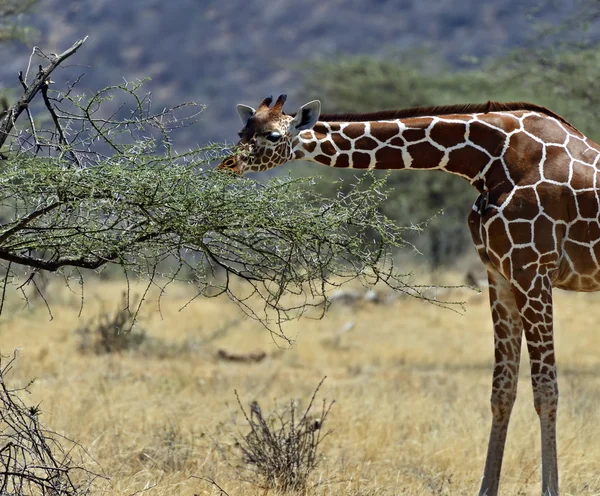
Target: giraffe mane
468, 108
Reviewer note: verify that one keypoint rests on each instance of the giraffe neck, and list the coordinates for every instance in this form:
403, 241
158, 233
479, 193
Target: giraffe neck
461, 144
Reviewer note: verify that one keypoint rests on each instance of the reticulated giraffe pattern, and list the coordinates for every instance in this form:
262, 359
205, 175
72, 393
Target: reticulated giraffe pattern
535, 223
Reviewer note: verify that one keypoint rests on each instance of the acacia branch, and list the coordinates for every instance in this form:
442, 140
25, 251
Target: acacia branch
81, 262
62, 140
41, 79
134, 201
27, 219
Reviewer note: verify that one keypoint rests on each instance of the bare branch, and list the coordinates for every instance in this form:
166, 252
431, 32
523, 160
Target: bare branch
13, 113
62, 140
33, 459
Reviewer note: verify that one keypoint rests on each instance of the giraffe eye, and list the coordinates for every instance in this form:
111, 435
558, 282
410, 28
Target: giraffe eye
274, 136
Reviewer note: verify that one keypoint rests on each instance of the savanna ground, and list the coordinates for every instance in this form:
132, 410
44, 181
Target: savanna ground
411, 383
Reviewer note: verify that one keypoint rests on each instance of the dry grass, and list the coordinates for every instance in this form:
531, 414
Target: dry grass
411, 384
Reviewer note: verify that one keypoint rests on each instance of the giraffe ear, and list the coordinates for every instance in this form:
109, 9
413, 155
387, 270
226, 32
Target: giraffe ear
307, 116
246, 113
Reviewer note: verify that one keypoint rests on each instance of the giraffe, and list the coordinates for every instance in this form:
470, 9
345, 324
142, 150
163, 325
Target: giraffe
535, 223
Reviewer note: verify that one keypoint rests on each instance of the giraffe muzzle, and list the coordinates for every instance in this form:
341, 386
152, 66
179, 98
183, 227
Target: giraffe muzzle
231, 164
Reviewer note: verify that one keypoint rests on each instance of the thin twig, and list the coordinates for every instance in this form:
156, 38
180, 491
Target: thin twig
43, 298
3, 299
62, 140
13, 113
210, 481
29, 116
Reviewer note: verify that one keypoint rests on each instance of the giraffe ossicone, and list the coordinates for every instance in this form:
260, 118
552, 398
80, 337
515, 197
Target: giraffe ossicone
535, 224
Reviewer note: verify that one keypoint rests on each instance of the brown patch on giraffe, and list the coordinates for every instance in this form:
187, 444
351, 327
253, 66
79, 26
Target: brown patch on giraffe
354, 130
548, 259
323, 159
582, 151
547, 129
530, 315
492, 140
584, 231
587, 205
596, 184
269, 152
556, 166
425, 155
328, 148
384, 131
580, 256
583, 176
543, 230
412, 135
505, 122
341, 142
507, 267
299, 154
321, 136
536, 305
501, 350
361, 160
523, 256
522, 156
320, 130
398, 141
523, 205
366, 143
310, 146
494, 260
459, 117
418, 122
496, 237
521, 232
495, 180
389, 158
467, 161
342, 160
448, 134
570, 283
558, 202
587, 283
500, 313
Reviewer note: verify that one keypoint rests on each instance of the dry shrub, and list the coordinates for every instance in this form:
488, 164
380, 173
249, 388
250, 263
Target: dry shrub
282, 450
33, 459
112, 332
115, 333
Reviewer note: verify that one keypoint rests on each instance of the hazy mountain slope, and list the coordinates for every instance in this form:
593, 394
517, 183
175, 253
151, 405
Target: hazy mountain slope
222, 52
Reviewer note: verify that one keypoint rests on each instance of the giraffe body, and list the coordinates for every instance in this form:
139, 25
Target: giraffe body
535, 223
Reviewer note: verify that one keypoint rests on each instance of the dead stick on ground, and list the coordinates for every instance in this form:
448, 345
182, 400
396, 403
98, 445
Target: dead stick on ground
14, 111
212, 482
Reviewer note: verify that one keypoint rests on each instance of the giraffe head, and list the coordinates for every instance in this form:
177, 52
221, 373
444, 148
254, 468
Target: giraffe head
268, 137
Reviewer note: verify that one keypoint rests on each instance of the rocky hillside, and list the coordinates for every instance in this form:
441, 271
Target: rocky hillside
223, 52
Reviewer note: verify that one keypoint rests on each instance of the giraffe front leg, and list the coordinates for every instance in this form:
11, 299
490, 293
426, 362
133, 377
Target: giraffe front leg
508, 330
534, 298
